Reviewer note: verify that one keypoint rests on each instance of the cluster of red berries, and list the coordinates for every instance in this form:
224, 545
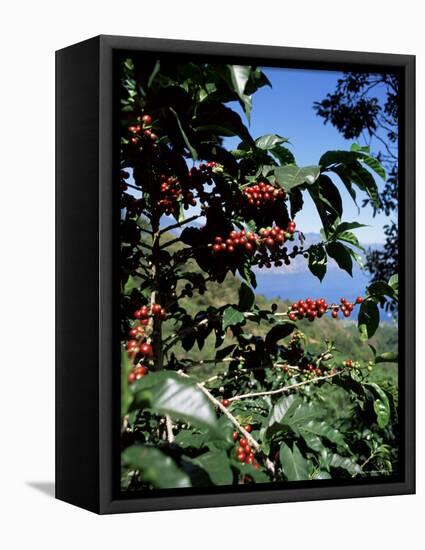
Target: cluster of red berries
308, 308
237, 241
138, 130
247, 241
276, 235
244, 452
346, 307
262, 194
312, 371
145, 312
171, 190
135, 347
137, 373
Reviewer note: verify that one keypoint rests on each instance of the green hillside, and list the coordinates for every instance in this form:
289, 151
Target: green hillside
343, 332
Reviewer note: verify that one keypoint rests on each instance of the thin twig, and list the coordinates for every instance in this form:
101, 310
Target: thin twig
285, 388
169, 426
253, 442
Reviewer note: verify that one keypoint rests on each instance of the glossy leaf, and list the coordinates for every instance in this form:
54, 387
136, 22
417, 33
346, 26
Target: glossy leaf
216, 464
279, 331
231, 317
345, 463
168, 393
291, 176
294, 465
317, 261
341, 255
155, 467
381, 406
325, 430
368, 320
246, 297
269, 141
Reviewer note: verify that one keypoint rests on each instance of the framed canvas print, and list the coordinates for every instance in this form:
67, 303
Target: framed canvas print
235, 274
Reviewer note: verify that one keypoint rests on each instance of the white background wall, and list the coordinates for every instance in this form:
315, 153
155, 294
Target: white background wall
30, 32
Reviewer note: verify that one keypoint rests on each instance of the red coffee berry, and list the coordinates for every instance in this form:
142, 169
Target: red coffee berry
248, 428
225, 403
235, 435
146, 349
156, 308
359, 300
147, 119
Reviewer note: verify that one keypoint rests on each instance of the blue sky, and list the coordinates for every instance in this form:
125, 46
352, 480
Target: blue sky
287, 109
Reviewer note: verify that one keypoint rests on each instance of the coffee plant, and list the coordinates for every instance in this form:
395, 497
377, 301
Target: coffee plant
263, 407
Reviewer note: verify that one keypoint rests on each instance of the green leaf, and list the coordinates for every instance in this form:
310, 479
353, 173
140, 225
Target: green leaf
192, 150
280, 410
302, 413
349, 237
216, 464
155, 467
368, 320
387, 357
380, 288
372, 162
393, 282
375, 166
279, 331
381, 406
345, 463
329, 194
322, 429
341, 255
283, 155
317, 260
246, 297
187, 439
258, 476
269, 141
214, 117
168, 393
239, 76
345, 226
338, 157
130, 285
365, 181
231, 317
294, 465
361, 148
321, 474
296, 201
291, 176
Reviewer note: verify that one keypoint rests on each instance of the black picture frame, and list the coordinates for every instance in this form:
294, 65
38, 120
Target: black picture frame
86, 380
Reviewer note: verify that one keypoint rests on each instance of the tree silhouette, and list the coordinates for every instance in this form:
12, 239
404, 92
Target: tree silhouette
366, 105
